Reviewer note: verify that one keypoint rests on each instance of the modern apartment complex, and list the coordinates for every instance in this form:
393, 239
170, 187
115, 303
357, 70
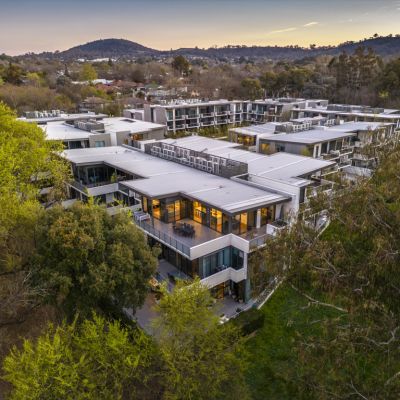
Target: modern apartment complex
181, 115
207, 203
83, 130
348, 113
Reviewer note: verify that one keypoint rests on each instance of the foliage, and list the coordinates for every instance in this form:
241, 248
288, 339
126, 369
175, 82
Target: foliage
274, 367
353, 266
97, 359
88, 259
181, 64
251, 88
249, 321
88, 73
24, 156
201, 356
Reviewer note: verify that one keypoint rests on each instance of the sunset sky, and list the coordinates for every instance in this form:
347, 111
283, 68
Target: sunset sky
48, 25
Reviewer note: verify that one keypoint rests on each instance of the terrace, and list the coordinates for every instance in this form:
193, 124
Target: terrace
166, 234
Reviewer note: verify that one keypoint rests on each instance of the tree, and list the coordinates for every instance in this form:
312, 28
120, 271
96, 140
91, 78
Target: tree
13, 74
351, 268
201, 356
181, 64
90, 260
97, 359
25, 158
88, 73
251, 88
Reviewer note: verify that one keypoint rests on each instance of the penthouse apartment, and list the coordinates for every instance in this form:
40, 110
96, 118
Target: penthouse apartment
194, 114
208, 204
78, 131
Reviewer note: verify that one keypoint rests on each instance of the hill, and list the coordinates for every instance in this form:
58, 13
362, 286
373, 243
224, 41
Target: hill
106, 48
121, 48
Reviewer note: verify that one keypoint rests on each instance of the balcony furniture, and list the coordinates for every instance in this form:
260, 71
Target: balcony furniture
184, 229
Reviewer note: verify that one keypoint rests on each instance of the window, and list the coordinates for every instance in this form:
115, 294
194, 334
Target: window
99, 143
156, 209
280, 147
216, 220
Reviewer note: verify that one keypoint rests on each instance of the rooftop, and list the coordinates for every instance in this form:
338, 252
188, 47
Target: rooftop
284, 167
122, 124
60, 130
312, 136
43, 117
255, 130
162, 178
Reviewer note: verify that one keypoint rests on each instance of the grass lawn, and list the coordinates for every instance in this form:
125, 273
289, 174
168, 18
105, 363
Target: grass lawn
270, 350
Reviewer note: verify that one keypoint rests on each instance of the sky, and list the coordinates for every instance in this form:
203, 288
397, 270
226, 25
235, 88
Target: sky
49, 25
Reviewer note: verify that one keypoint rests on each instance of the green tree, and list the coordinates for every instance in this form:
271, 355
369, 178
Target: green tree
90, 260
351, 268
13, 74
88, 73
251, 88
201, 356
97, 359
181, 64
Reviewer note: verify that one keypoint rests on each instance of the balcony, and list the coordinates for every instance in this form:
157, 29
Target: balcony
207, 123
193, 125
274, 228
192, 116
179, 117
226, 274
319, 186
182, 244
221, 113
207, 115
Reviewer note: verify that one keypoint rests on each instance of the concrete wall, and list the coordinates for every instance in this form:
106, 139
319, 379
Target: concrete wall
100, 137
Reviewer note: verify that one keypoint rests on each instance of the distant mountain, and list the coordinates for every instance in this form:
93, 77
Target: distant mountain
106, 48
121, 48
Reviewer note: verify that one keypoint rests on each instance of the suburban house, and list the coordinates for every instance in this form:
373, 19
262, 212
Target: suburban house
209, 204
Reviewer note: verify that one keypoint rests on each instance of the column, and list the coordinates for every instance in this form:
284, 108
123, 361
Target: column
258, 220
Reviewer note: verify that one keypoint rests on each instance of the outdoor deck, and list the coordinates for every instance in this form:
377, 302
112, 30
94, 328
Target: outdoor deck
165, 232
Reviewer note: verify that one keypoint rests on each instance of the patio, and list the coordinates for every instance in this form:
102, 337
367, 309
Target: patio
225, 308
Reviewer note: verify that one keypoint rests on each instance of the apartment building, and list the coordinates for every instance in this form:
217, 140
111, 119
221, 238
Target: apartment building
182, 115
349, 113
325, 144
83, 130
207, 203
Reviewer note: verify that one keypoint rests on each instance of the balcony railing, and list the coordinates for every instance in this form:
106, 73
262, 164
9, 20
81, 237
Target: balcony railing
163, 237
319, 186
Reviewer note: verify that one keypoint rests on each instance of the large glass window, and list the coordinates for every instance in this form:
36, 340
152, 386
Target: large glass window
216, 220
156, 209
144, 204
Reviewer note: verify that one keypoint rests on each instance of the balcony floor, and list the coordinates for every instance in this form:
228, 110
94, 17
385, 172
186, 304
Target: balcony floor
202, 233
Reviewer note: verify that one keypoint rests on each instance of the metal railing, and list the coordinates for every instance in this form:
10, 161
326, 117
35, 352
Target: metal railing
163, 237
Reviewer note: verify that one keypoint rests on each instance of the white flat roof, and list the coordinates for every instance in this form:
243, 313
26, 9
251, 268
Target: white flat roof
61, 131
162, 178
64, 117
120, 124
310, 137
360, 126
324, 110
255, 130
290, 166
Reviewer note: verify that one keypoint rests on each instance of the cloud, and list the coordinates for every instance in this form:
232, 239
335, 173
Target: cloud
282, 30
310, 24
